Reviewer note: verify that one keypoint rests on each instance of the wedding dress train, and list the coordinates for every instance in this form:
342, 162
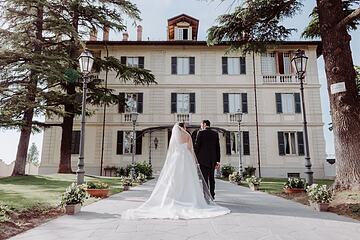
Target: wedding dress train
180, 192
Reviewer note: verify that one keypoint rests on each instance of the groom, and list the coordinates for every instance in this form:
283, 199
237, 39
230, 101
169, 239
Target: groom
207, 149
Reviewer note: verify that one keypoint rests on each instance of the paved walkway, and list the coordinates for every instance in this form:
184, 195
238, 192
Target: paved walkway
255, 215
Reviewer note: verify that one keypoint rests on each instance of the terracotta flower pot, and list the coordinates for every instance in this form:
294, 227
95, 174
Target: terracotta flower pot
99, 193
293, 190
72, 209
321, 207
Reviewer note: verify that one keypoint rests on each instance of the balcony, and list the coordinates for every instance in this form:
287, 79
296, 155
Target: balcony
182, 117
280, 79
127, 117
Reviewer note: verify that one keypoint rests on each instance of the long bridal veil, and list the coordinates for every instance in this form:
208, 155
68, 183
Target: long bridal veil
181, 191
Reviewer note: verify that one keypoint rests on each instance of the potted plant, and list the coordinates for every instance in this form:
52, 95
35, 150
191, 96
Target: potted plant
97, 189
73, 197
235, 178
127, 182
294, 185
253, 182
319, 197
141, 178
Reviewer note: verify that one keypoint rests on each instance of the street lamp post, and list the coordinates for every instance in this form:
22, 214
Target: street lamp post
86, 61
238, 117
134, 116
300, 63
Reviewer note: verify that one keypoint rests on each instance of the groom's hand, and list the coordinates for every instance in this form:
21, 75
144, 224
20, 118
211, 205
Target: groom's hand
217, 166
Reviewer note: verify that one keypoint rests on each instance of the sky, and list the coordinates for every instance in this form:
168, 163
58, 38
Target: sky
154, 16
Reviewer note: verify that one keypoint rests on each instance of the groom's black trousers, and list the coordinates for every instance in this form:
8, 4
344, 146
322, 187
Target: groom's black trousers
209, 177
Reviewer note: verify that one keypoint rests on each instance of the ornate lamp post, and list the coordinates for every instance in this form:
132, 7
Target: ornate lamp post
300, 62
134, 116
86, 61
238, 117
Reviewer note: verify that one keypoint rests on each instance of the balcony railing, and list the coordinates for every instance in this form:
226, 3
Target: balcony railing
182, 117
127, 117
232, 117
280, 79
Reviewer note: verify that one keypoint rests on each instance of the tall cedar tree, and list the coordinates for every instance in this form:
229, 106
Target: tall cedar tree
256, 23
39, 53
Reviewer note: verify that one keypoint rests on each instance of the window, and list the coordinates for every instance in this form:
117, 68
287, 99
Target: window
182, 33
130, 102
75, 142
133, 61
232, 143
233, 65
233, 102
291, 143
183, 103
124, 142
276, 63
288, 103
182, 65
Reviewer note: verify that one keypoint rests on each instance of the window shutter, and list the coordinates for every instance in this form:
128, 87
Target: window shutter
192, 102
246, 143
119, 142
226, 102
173, 103
140, 102
244, 103
281, 143
75, 142
123, 60
278, 103
242, 65
300, 140
173, 65
224, 65
297, 103
121, 102
192, 65
228, 143
141, 62
138, 142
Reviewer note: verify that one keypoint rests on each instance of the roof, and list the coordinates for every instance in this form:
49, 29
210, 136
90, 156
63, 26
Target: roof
182, 16
196, 43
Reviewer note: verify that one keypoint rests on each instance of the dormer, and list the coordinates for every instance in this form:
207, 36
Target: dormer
183, 28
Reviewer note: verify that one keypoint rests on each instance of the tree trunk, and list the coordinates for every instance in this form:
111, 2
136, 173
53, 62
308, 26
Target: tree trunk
344, 106
21, 154
66, 136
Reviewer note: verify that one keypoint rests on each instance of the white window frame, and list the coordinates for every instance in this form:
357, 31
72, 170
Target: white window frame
127, 141
288, 103
182, 106
233, 64
232, 102
291, 142
268, 64
183, 65
235, 136
132, 61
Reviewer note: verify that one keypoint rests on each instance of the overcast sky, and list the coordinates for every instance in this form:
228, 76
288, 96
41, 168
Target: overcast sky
155, 14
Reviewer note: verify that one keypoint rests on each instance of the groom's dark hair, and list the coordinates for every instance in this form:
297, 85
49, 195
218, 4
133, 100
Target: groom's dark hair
206, 122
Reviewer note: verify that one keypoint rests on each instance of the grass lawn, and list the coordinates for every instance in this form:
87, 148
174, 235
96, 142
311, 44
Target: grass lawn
32, 200
25, 192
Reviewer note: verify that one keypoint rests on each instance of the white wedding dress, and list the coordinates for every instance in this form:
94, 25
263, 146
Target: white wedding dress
180, 192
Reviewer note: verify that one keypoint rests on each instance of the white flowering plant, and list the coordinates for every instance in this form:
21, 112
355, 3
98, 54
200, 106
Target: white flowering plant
127, 181
295, 182
235, 177
253, 180
319, 193
74, 194
141, 177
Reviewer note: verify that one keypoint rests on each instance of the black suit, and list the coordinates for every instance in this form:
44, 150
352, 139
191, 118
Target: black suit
207, 149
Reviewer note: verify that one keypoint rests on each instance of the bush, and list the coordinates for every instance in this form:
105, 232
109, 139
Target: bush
143, 168
319, 193
96, 185
235, 177
127, 181
74, 194
226, 170
249, 171
295, 182
4, 213
253, 180
121, 172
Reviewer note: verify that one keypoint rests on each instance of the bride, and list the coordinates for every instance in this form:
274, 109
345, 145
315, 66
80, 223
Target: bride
180, 192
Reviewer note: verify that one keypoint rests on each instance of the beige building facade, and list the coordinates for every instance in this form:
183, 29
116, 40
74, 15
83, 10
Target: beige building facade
196, 82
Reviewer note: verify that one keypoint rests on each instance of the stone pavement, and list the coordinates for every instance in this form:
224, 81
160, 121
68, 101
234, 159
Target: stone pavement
255, 215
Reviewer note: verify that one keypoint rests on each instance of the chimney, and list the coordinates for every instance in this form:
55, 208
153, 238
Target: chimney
106, 33
93, 34
125, 36
139, 33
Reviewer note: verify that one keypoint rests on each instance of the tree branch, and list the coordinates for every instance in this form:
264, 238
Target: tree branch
351, 17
